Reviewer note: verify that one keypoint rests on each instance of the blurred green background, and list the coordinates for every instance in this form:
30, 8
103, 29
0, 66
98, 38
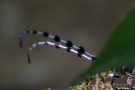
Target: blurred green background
119, 51
85, 22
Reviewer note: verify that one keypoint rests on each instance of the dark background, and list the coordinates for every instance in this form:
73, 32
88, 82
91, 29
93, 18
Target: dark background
85, 22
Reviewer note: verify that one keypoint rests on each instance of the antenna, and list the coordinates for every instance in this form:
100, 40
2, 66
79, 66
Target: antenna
58, 43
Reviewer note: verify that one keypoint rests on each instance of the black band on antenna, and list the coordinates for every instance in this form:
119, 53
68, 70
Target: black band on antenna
34, 32
68, 49
57, 38
69, 44
45, 34
81, 51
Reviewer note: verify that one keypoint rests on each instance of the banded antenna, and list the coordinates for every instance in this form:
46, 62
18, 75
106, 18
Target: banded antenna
59, 43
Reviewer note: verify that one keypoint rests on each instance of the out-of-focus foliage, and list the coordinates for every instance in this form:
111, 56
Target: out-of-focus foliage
119, 51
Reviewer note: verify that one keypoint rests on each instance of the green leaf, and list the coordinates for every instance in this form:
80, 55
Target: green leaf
119, 51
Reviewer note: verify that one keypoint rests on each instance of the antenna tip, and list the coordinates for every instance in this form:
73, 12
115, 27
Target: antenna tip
94, 58
29, 59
